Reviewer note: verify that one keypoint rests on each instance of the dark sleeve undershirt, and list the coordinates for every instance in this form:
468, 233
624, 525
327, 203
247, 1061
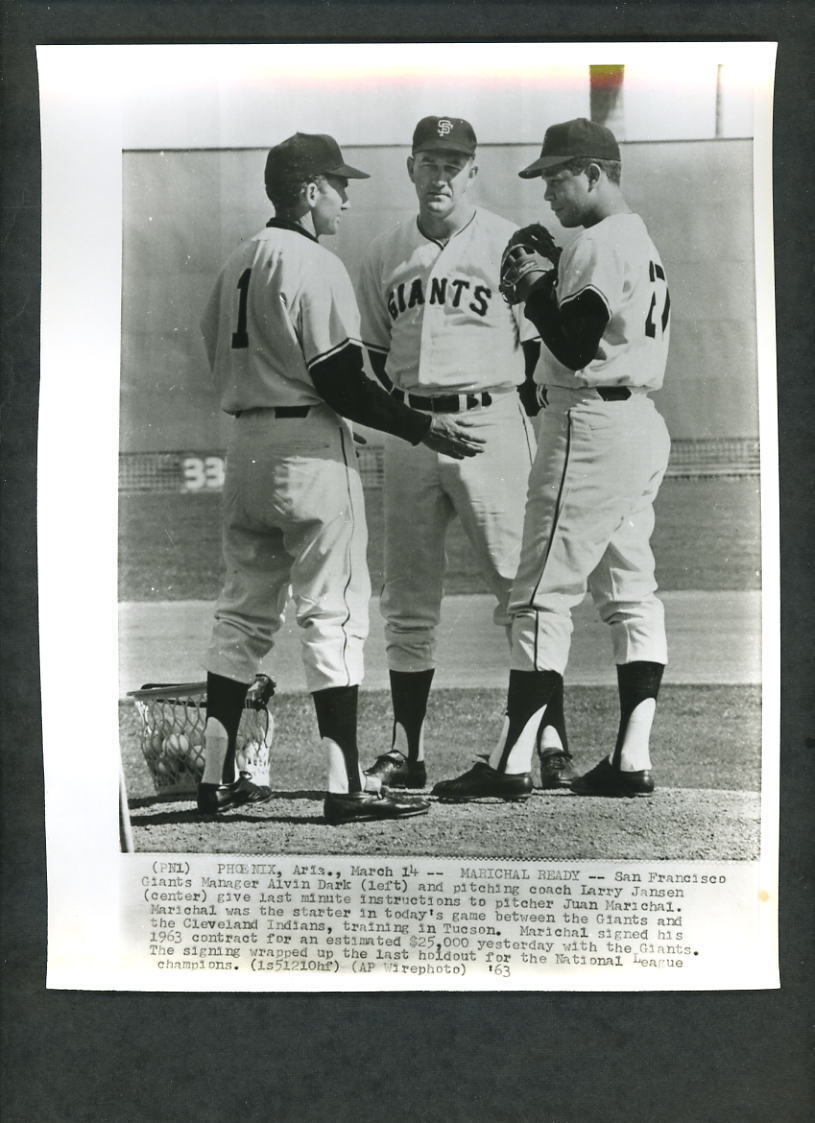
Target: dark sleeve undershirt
531, 350
342, 383
377, 361
572, 333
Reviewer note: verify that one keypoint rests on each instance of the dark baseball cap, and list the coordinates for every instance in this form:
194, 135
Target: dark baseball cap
310, 154
452, 134
572, 139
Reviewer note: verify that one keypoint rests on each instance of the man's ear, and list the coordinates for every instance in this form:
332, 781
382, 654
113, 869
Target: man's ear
473, 171
410, 163
593, 173
310, 193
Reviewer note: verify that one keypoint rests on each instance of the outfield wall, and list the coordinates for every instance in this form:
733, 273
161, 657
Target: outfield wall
183, 211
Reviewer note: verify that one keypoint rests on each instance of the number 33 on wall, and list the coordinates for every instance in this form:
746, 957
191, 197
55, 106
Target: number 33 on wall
202, 473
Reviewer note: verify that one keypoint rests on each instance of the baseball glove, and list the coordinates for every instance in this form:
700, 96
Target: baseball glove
521, 267
530, 253
539, 239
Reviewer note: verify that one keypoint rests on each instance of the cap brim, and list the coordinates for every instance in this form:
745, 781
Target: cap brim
543, 164
444, 146
347, 172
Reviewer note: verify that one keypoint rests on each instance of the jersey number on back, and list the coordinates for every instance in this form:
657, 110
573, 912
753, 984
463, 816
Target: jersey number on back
655, 272
240, 337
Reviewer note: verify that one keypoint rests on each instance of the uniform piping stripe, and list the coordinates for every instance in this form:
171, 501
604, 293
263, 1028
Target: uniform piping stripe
333, 351
586, 288
455, 234
349, 561
553, 531
374, 347
525, 425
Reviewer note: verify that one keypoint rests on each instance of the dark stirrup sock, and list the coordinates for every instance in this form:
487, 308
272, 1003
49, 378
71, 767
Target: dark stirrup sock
635, 682
555, 714
336, 709
529, 691
225, 699
410, 691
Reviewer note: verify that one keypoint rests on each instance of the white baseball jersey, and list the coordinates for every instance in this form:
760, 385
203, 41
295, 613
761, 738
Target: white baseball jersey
436, 311
281, 303
589, 514
294, 513
617, 260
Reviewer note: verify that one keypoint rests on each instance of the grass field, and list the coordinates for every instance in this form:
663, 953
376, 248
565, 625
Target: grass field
706, 739
706, 538
707, 765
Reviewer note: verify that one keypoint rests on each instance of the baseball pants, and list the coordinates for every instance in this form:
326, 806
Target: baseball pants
294, 525
424, 491
588, 524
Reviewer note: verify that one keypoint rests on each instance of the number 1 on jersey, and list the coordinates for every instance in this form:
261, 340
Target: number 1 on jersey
240, 337
654, 272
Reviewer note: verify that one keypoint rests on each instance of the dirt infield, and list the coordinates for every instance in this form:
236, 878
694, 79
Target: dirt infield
683, 825
707, 766
706, 738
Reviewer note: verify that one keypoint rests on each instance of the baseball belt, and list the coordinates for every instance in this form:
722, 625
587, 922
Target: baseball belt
277, 411
444, 403
614, 393
606, 393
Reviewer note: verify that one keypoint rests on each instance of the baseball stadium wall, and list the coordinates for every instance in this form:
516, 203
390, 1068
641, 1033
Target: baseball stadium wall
184, 211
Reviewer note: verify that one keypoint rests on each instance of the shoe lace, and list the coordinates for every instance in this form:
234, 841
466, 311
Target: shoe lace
557, 760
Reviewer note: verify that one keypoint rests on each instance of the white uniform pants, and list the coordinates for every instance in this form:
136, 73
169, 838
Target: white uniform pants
589, 519
423, 493
294, 525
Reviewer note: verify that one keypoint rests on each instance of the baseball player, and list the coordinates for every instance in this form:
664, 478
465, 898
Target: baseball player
281, 332
441, 338
603, 315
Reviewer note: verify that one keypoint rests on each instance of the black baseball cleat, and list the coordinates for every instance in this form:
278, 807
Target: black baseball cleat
483, 782
557, 769
358, 807
394, 770
214, 798
605, 779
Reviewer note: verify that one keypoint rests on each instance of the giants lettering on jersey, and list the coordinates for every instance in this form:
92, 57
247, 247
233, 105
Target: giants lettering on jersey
443, 290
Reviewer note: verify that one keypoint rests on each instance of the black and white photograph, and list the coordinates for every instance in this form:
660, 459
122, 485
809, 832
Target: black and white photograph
437, 498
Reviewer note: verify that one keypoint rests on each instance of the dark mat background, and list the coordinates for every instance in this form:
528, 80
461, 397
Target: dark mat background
678, 1057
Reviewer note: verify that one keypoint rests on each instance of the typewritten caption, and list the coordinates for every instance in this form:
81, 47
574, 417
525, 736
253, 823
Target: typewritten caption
422, 919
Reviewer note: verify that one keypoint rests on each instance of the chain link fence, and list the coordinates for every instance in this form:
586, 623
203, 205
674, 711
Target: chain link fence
203, 471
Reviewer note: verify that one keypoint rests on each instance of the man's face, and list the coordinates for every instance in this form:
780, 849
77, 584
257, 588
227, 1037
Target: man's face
567, 193
331, 201
442, 180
